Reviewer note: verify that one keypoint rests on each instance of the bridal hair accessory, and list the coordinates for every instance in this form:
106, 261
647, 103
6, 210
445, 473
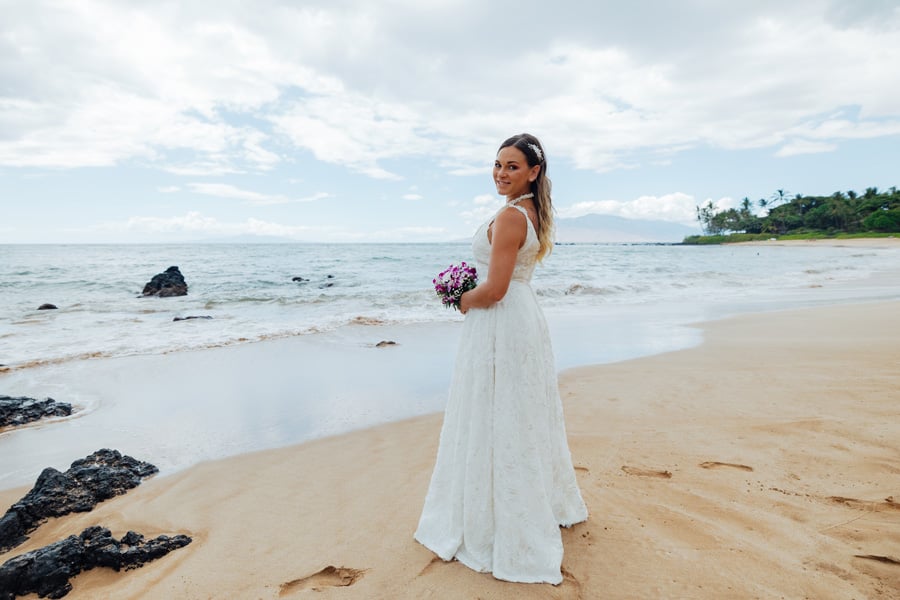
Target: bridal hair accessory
537, 152
520, 198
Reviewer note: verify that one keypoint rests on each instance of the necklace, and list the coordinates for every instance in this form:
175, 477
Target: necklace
519, 199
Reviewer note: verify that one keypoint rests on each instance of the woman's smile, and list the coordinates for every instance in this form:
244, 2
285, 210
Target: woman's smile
512, 175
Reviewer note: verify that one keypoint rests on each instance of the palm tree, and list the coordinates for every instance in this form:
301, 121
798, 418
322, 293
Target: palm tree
779, 197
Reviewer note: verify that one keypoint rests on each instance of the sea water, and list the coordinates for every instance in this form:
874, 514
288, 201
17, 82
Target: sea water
250, 293
283, 361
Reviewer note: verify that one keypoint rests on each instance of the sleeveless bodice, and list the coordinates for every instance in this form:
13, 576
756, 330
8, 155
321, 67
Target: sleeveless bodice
526, 259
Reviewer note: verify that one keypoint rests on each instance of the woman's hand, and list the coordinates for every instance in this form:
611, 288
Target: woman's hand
463, 304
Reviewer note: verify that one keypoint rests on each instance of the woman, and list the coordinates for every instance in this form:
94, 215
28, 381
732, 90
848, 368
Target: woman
503, 481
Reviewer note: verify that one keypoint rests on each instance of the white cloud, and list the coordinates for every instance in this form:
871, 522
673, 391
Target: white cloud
488, 199
194, 223
354, 130
207, 89
412, 196
676, 208
168, 189
224, 190
482, 208
805, 147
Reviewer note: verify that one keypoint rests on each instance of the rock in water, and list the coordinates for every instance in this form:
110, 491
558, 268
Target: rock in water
21, 410
47, 306
89, 481
169, 283
47, 571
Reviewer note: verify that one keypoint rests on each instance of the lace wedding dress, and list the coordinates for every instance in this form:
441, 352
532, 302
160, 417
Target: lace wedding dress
503, 482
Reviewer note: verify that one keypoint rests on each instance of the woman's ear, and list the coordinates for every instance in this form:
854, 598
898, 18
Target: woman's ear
532, 177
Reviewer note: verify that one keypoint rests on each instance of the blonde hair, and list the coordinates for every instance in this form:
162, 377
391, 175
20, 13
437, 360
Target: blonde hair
534, 153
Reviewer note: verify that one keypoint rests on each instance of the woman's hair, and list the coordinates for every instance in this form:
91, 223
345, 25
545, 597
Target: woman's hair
531, 147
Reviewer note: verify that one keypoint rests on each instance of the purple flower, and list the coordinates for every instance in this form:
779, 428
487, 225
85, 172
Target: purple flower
453, 282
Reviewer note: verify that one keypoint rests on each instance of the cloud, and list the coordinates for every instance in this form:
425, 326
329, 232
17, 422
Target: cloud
412, 196
482, 208
195, 223
354, 130
205, 88
676, 208
488, 199
224, 190
168, 189
805, 147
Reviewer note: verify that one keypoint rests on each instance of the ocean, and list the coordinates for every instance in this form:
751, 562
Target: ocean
283, 362
249, 292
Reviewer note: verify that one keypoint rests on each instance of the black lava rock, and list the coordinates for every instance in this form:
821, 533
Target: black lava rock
88, 482
47, 307
192, 317
47, 571
21, 410
169, 283
300, 279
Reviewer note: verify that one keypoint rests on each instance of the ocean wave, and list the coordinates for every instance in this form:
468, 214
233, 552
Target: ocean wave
372, 285
583, 289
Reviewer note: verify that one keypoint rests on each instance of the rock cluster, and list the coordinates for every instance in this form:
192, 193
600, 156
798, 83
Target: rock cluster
322, 286
20, 410
169, 283
89, 481
47, 571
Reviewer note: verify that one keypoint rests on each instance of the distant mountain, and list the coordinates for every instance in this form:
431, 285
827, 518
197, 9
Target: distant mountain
595, 228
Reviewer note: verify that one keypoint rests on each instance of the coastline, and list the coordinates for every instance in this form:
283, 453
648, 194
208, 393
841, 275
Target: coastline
178, 409
760, 463
879, 242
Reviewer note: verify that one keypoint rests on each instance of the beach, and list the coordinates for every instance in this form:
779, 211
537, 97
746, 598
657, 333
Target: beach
883, 242
758, 464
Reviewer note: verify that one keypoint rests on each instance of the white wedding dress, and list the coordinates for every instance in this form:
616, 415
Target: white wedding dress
503, 481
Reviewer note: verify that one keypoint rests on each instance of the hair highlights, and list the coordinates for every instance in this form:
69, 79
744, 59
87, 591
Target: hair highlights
534, 153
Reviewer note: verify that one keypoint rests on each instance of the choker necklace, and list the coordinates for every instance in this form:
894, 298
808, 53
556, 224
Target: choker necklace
519, 199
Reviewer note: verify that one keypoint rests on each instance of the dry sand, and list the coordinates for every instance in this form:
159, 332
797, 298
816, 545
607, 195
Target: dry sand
763, 464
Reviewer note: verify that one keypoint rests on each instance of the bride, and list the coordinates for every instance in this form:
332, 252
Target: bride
503, 481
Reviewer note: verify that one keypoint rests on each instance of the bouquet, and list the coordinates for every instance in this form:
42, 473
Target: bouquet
453, 282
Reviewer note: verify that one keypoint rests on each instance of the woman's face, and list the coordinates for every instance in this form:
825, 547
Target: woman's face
512, 175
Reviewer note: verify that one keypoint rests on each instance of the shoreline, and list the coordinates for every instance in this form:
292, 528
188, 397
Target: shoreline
874, 242
178, 409
760, 463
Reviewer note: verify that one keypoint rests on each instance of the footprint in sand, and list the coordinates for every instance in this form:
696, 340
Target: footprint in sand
328, 577
434, 560
713, 464
647, 472
873, 505
571, 581
884, 559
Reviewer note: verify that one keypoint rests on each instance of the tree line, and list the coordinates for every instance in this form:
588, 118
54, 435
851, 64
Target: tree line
841, 212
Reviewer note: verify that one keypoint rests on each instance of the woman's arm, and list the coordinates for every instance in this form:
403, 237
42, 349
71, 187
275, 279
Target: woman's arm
508, 235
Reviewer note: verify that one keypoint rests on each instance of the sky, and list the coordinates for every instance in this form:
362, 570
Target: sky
378, 121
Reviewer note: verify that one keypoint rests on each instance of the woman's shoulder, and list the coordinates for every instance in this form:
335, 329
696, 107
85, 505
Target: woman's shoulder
512, 214
517, 216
